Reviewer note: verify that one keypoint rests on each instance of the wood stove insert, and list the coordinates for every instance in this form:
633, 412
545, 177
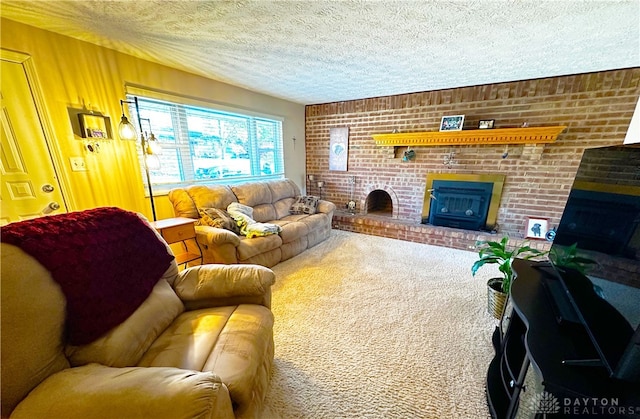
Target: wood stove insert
468, 202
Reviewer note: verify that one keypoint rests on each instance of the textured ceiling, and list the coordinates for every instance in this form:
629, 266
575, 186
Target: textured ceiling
326, 51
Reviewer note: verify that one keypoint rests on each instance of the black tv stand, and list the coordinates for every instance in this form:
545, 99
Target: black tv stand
538, 358
596, 362
565, 314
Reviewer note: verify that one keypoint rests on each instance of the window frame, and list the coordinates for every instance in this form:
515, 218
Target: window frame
183, 147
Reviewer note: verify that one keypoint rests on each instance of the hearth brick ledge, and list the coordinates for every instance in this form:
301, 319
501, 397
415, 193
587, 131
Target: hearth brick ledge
377, 225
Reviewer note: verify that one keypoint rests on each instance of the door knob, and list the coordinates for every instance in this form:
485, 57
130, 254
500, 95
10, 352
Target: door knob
53, 206
48, 188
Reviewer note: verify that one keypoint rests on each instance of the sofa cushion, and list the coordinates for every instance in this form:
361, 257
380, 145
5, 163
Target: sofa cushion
294, 247
316, 221
219, 218
305, 205
281, 189
96, 391
269, 258
292, 230
183, 205
249, 248
232, 342
282, 207
264, 213
125, 344
253, 193
292, 218
188, 341
215, 196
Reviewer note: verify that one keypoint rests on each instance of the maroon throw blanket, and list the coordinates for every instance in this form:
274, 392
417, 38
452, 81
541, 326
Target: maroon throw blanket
106, 260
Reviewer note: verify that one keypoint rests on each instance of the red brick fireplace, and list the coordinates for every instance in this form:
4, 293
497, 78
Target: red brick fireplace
596, 108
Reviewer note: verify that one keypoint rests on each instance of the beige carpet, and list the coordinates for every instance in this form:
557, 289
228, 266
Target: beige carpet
370, 327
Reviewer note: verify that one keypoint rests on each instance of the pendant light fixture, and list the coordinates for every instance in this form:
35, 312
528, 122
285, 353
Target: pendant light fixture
126, 130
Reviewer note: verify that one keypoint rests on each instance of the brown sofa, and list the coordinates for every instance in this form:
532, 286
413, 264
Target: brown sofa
199, 346
271, 202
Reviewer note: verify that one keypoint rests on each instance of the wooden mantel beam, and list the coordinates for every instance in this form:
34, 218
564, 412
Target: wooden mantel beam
529, 135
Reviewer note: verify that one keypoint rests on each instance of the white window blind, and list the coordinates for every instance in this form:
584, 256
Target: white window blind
202, 144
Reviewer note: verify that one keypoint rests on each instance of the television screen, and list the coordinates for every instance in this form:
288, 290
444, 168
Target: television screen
599, 237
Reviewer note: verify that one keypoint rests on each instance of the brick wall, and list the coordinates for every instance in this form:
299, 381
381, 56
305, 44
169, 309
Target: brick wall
595, 107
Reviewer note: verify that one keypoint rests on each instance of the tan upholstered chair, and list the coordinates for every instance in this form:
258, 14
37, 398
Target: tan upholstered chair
200, 345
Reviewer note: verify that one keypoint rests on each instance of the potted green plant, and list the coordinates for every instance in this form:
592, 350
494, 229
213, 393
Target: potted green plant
568, 257
494, 252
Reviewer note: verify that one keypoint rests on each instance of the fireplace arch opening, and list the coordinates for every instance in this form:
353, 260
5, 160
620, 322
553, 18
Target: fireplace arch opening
379, 202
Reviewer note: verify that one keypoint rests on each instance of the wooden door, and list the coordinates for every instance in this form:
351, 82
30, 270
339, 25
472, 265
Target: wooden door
30, 186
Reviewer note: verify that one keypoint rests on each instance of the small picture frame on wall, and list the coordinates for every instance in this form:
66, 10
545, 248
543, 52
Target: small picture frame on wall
486, 123
338, 149
94, 126
536, 228
452, 123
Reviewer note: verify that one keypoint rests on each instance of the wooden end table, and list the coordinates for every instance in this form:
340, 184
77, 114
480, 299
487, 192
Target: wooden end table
179, 230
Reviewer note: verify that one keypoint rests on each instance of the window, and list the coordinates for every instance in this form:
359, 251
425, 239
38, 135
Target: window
204, 145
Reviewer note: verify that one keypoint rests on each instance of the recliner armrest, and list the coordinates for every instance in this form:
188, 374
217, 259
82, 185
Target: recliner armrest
326, 207
217, 285
216, 236
97, 391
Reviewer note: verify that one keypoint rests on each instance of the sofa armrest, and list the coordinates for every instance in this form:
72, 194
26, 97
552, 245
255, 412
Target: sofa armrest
217, 245
97, 391
217, 285
214, 236
326, 207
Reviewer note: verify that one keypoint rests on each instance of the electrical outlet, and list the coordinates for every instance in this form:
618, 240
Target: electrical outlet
78, 164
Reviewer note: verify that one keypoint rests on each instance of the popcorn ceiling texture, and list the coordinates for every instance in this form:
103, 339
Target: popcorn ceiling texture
326, 51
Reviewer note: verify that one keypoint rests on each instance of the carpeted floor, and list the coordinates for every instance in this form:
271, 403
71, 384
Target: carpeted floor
370, 327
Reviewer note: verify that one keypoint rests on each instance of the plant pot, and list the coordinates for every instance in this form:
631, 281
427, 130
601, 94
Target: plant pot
496, 299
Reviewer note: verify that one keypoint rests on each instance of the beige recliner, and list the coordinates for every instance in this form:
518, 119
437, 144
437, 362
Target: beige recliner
200, 345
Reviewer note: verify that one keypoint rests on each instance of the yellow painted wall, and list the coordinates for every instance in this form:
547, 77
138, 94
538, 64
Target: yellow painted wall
77, 74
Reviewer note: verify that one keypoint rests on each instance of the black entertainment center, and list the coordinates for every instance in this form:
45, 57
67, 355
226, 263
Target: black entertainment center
568, 344
532, 350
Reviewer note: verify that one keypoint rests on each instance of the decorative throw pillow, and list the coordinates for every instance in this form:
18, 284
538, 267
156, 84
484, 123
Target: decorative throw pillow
304, 205
219, 218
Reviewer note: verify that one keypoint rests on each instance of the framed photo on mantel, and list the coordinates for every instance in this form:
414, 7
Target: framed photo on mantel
486, 123
536, 228
452, 123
